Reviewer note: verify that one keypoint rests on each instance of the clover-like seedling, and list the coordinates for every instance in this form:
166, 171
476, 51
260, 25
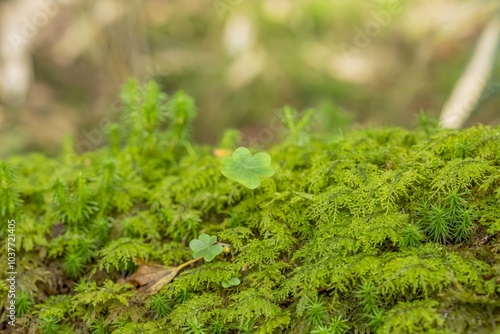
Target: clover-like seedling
233, 281
246, 169
205, 246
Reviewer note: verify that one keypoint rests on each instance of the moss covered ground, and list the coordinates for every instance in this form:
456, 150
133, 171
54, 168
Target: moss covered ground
370, 231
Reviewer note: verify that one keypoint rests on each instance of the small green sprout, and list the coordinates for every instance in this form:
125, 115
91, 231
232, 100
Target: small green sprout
246, 169
233, 281
205, 246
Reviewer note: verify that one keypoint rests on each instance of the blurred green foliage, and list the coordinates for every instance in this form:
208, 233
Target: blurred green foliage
381, 61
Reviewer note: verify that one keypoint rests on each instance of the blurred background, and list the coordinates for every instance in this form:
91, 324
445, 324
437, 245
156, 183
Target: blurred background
379, 62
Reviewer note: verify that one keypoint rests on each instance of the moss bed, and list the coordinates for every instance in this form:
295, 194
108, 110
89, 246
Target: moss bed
378, 230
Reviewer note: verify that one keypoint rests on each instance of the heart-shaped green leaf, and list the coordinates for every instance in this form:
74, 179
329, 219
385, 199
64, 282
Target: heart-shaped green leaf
233, 281
205, 246
246, 169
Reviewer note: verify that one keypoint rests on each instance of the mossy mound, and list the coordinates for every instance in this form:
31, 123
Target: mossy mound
380, 230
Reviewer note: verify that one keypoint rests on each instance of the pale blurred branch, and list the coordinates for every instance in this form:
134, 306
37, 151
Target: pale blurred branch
471, 86
15, 49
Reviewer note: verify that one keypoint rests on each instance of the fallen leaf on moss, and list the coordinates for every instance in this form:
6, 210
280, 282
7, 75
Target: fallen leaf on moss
151, 277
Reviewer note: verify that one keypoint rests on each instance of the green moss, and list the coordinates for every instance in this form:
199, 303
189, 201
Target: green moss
378, 230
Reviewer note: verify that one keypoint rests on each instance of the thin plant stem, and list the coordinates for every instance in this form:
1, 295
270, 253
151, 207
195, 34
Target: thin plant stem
184, 265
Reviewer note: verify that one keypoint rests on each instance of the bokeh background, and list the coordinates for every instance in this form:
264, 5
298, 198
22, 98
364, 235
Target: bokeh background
62, 62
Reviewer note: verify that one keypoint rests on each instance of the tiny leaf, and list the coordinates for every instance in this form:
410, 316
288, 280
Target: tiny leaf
246, 169
233, 281
205, 246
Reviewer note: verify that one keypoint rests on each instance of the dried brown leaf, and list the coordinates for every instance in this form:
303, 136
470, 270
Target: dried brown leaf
151, 277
